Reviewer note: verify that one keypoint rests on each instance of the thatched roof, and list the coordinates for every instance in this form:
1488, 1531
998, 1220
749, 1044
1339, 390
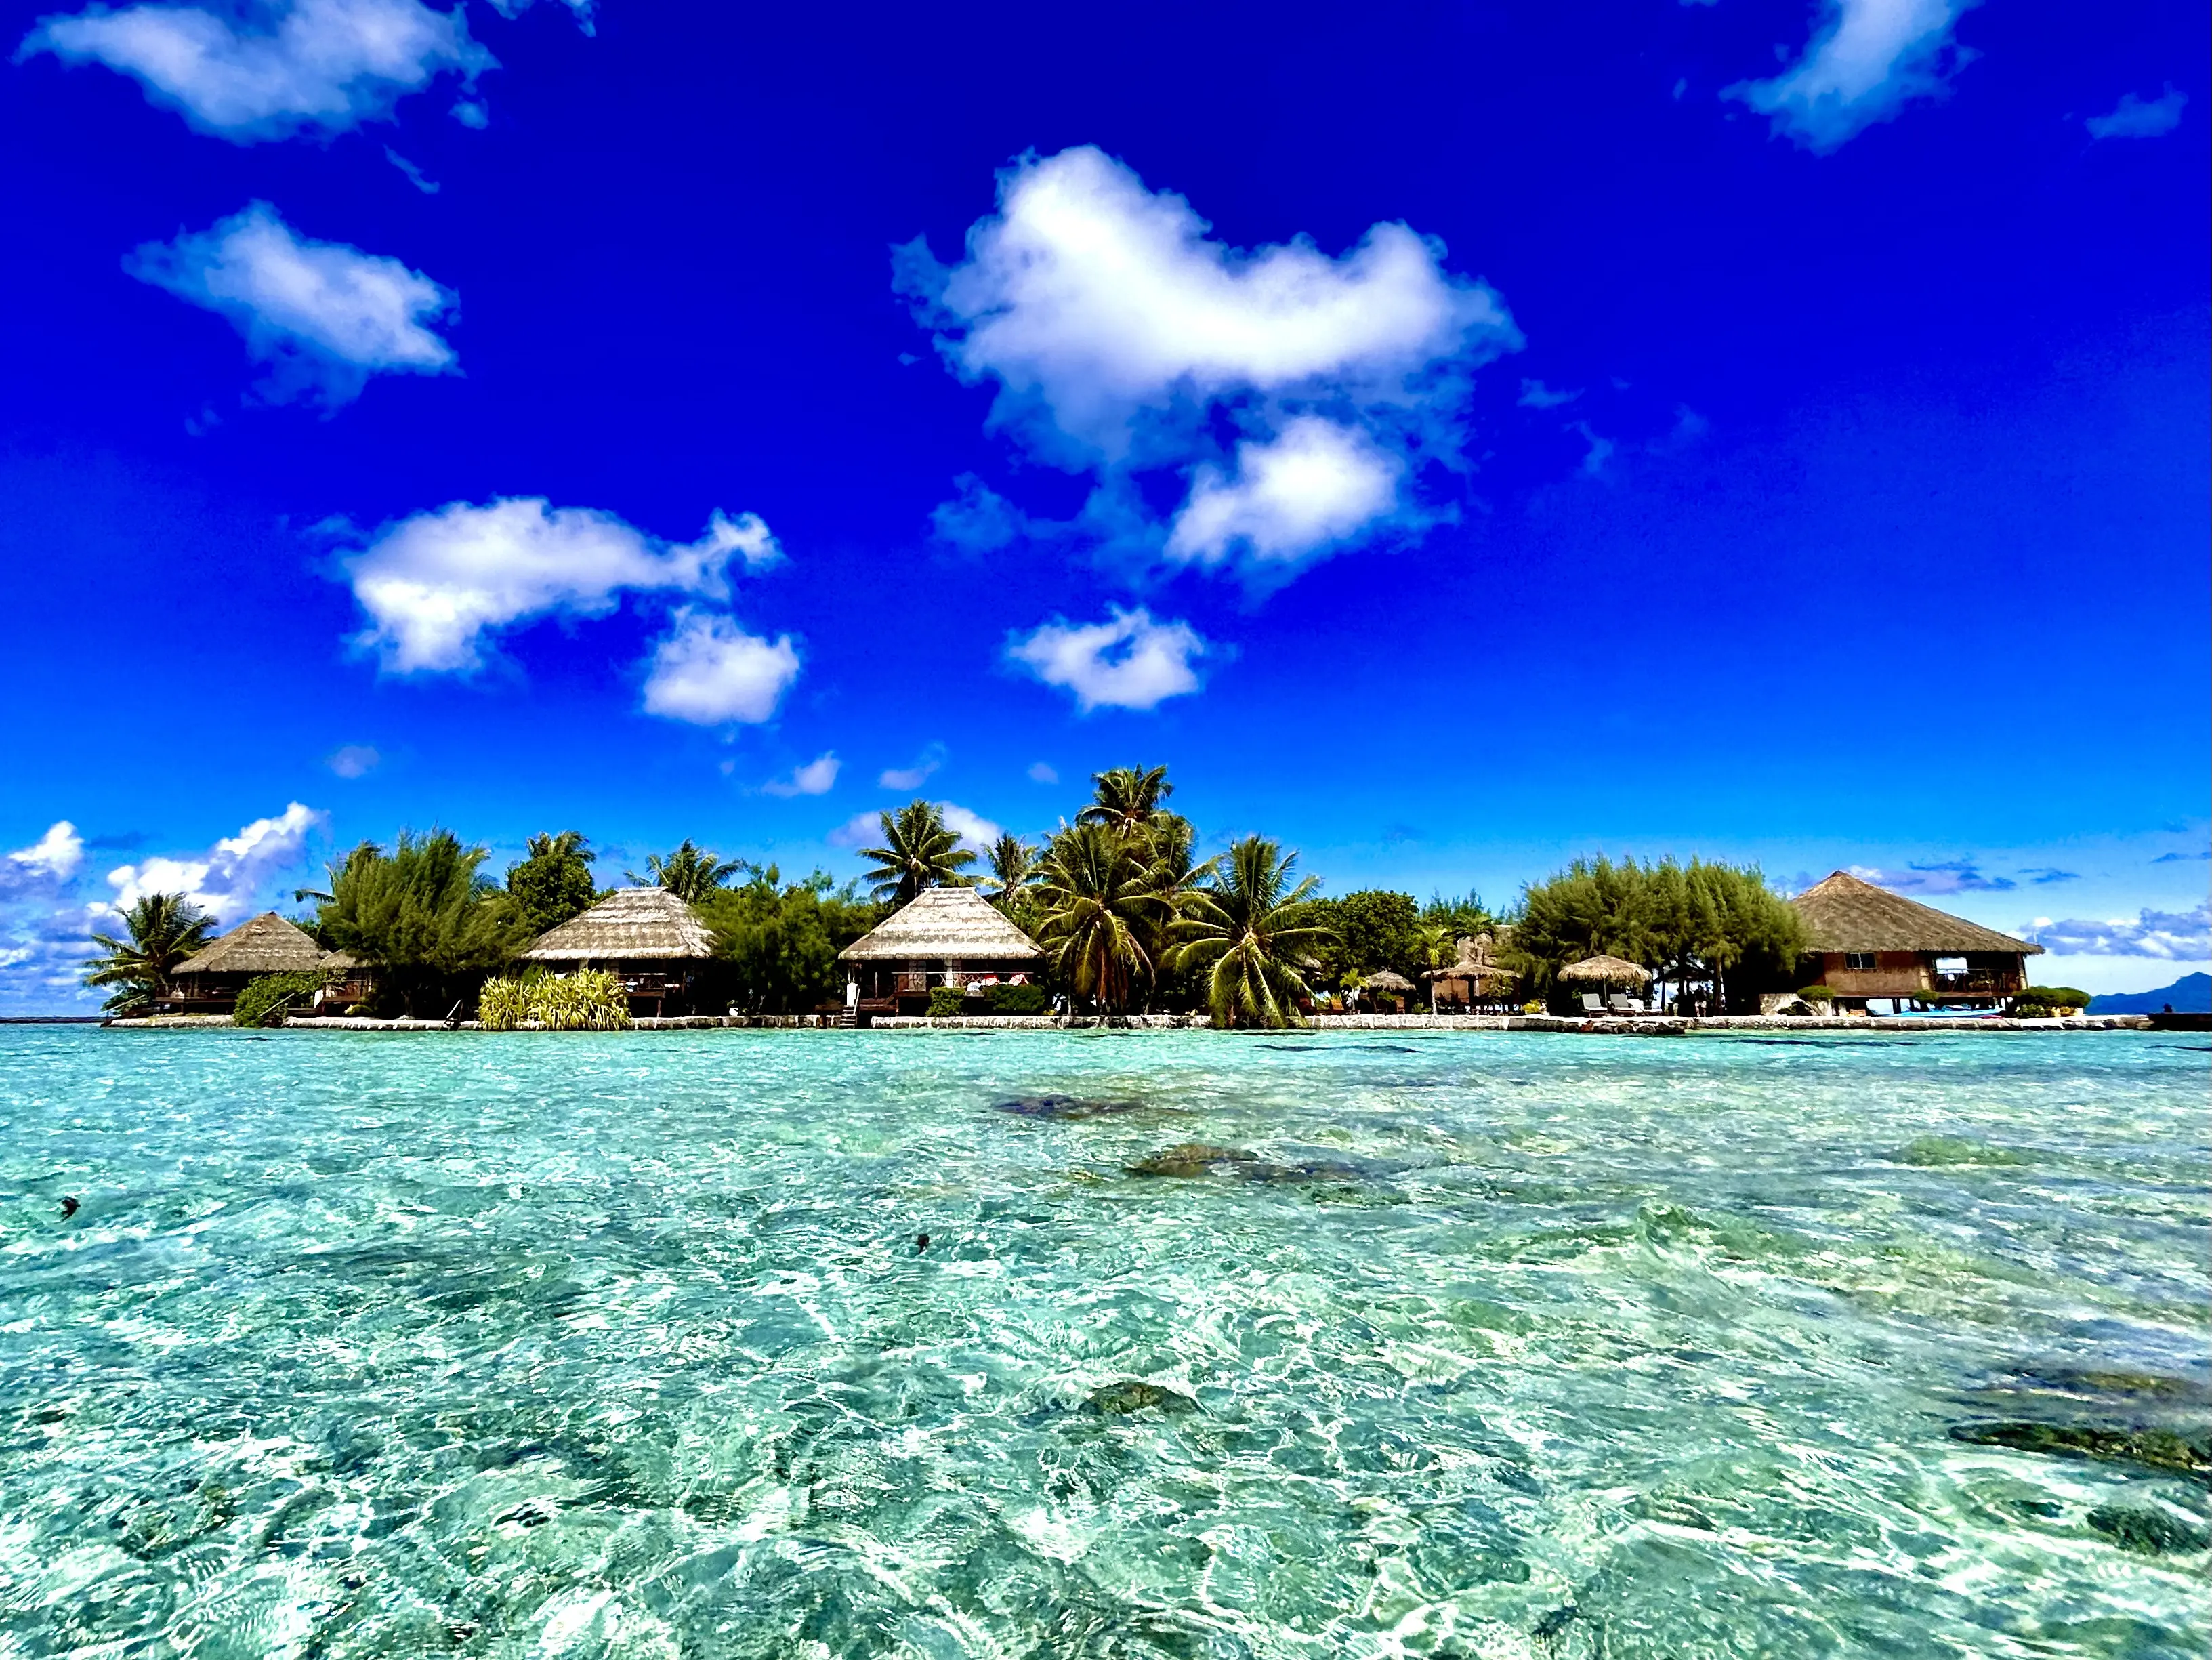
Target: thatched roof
266, 944
1844, 914
628, 923
1473, 963
945, 925
1607, 970
1387, 980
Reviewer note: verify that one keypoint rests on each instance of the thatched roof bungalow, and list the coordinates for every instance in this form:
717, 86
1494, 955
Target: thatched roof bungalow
1465, 980
1865, 941
648, 936
946, 936
209, 981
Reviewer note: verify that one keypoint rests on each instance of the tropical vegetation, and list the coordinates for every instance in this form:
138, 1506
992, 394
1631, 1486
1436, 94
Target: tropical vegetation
920, 851
162, 930
690, 872
1257, 930
553, 882
588, 999
425, 917
267, 999
776, 943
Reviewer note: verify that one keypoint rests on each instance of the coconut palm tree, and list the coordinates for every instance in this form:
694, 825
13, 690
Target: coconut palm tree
1013, 868
164, 928
1090, 887
1257, 930
690, 872
1126, 799
919, 851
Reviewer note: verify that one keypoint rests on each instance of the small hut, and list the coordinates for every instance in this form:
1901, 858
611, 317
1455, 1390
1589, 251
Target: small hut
946, 936
650, 938
209, 981
1864, 941
1465, 980
1603, 970
1387, 983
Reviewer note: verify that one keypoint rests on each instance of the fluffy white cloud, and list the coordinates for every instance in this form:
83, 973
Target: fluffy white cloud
858, 830
353, 760
327, 64
2140, 118
711, 672
54, 856
818, 777
323, 315
436, 585
914, 777
1043, 772
1123, 337
1313, 487
975, 832
1128, 661
1869, 59
225, 879
2183, 936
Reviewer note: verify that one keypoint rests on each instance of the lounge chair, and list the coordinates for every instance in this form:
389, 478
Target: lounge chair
1592, 1003
1626, 1004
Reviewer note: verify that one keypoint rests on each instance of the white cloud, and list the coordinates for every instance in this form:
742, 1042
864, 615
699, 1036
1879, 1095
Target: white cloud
914, 777
1127, 661
975, 832
858, 830
1535, 395
1122, 337
1042, 772
436, 585
327, 64
353, 760
323, 315
2140, 118
1313, 487
816, 777
225, 879
1869, 59
2178, 936
711, 672
54, 856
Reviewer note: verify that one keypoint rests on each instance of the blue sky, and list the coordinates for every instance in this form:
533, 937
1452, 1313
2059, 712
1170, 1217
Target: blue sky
1451, 438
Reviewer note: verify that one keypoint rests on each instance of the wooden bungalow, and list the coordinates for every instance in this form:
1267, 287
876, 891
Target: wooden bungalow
1467, 980
650, 938
1866, 942
946, 937
209, 981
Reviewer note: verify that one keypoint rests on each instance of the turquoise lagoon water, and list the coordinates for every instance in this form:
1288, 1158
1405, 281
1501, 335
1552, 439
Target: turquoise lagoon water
1500, 1346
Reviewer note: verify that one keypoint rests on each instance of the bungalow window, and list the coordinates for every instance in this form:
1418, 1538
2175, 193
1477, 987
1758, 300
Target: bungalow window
1858, 959
1950, 967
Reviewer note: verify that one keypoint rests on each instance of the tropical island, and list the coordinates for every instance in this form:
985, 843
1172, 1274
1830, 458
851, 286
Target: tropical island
1109, 915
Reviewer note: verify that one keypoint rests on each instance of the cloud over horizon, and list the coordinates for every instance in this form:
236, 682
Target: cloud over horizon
816, 777
1127, 661
54, 857
324, 316
1867, 61
225, 880
1124, 339
321, 64
2183, 936
438, 584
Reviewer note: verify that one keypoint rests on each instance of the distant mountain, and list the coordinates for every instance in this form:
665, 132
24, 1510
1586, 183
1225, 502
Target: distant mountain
2190, 994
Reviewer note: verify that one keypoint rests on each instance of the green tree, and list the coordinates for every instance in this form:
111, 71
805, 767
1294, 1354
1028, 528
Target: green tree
777, 944
1372, 928
919, 852
1256, 933
1091, 892
1126, 799
424, 917
553, 882
1172, 876
690, 872
163, 929
1013, 870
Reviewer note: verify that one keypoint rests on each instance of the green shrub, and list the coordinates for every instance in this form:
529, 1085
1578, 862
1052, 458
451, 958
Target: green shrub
945, 1000
1532, 1007
1816, 994
269, 997
590, 999
2025, 1009
1020, 1000
2055, 997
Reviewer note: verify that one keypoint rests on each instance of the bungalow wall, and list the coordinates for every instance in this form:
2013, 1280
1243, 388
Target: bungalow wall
1987, 975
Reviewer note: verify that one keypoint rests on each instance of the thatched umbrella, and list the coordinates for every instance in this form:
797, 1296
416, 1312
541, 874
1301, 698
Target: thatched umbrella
1607, 972
1387, 980
1473, 965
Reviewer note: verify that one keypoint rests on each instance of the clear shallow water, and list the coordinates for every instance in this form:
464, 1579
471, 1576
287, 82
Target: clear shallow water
1533, 1346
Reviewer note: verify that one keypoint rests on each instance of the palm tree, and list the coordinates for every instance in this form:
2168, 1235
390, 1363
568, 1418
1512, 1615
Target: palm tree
164, 928
1171, 877
1013, 868
1127, 799
1091, 887
690, 872
919, 852
1258, 932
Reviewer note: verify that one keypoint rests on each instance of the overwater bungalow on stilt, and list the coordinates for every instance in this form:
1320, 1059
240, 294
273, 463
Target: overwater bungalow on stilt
946, 937
653, 941
1867, 942
209, 981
